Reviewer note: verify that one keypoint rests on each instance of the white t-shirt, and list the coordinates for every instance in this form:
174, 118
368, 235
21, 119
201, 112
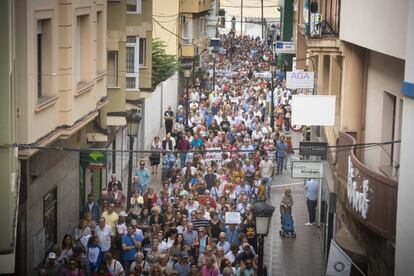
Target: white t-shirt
104, 236
115, 268
266, 168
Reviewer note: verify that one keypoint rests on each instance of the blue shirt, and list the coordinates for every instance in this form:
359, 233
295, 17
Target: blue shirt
144, 176
232, 237
129, 255
281, 148
311, 187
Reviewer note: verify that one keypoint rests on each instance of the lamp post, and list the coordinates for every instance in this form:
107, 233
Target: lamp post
187, 75
231, 35
233, 24
133, 119
214, 54
262, 213
272, 65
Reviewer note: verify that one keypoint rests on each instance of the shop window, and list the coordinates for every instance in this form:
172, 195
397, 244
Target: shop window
50, 218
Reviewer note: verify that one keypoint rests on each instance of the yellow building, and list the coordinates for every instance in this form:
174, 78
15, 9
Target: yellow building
166, 24
61, 90
193, 21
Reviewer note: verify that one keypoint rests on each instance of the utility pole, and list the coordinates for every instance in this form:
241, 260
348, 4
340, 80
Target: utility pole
241, 18
262, 22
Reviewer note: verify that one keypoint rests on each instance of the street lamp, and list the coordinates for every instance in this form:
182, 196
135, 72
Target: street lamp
233, 23
187, 74
272, 65
214, 54
133, 119
262, 213
231, 35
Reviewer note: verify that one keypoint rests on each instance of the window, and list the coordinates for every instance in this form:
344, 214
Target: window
50, 218
44, 58
83, 57
133, 6
112, 76
132, 65
99, 42
142, 51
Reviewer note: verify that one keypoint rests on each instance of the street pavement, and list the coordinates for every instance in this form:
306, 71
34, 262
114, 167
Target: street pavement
301, 256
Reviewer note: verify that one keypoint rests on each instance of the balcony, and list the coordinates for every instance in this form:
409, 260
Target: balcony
187, 50
369, 196
195, 6
324, 19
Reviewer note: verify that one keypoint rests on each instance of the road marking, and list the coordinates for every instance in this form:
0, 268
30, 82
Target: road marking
289, 184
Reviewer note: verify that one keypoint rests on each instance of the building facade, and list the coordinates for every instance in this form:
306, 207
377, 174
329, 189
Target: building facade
360, 60
61, 92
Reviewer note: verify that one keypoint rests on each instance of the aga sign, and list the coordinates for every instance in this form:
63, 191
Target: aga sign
297, 79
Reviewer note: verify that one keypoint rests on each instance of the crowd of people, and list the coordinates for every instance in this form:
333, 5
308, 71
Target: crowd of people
217, 160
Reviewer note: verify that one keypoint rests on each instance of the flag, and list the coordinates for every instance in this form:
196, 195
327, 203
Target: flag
339, 264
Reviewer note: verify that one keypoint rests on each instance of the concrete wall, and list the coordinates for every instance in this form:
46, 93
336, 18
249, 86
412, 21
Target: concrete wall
405, 213
381, 25
59, 170
156, 103
384, 73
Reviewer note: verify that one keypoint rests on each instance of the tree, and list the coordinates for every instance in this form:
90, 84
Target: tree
163, 64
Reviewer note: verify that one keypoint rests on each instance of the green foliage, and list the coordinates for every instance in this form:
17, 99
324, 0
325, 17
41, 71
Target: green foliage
163, 65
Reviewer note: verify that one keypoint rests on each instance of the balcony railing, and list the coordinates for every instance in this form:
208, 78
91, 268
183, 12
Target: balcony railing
324, 19
367, 189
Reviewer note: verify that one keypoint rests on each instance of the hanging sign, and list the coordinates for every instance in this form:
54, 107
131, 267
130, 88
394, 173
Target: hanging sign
92, 159
297, 79
307, 169
285, 47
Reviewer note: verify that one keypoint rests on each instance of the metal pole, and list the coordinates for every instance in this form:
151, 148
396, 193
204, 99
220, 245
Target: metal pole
129, 192
241, 18
214, 73
260, 261
187, 108
262, 21
272, 106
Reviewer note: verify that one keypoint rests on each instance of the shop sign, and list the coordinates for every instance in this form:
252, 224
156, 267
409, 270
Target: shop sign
313, 149
358, 200
307, 169
298, 79
285, 47
93, 159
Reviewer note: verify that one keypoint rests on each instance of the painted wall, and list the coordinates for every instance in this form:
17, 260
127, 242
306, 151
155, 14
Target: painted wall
384, 73
404, 243
381, 25
66, 102
166, 12
156, 103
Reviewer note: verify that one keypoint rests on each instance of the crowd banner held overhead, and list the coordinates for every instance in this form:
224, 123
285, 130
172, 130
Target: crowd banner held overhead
213, 156
299, 79
339, 264
285, 47
307, 169
233, 218
313, 149
313, 110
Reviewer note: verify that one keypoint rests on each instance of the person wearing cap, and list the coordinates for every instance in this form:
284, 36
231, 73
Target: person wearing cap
52, 266
121, 226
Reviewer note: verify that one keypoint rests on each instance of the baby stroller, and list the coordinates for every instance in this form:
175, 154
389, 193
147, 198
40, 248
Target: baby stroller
288, 229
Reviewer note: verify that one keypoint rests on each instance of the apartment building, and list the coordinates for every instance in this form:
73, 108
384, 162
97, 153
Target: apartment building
129, 62
167, 15
193, 21
8, 160
357, 51
61, 93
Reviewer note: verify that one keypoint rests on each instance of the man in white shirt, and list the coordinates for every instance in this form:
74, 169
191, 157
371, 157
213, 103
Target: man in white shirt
104, 233
266, 171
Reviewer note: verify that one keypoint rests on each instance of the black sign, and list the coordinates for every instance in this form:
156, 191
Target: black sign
314, 149
91, 159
